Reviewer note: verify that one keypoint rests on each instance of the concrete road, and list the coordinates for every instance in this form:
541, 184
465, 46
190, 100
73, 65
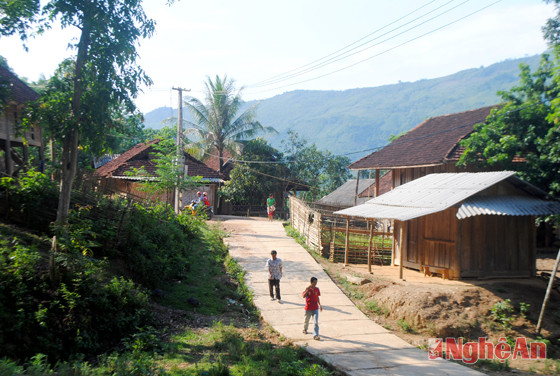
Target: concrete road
350, 341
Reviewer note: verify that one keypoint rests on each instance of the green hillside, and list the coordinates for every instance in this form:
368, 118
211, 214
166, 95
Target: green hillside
359, 120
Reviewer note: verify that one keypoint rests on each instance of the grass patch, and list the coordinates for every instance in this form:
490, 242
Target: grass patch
225, 350
241, 348
209, 280
376, 308
404, 326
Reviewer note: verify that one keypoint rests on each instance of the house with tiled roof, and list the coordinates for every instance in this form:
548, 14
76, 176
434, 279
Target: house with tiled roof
213, 161
15, 95
115, 175
430, 147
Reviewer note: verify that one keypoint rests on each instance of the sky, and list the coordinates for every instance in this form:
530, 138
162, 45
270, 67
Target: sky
272, 47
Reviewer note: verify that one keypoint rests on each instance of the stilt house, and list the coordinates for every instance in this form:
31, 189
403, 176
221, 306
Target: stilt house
430, 147
14, 97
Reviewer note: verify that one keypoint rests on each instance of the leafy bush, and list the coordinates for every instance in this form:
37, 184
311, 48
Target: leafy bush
156, 245
29, 200
81, 312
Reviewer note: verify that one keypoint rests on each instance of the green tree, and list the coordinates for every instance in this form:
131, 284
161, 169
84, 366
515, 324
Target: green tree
517, 128
217, 122
551, 29
104, 74
16, 17
322, 171
259, 172
524, 127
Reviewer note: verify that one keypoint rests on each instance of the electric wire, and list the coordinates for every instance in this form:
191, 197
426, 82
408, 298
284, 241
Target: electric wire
347, 54
341, 49
381, 53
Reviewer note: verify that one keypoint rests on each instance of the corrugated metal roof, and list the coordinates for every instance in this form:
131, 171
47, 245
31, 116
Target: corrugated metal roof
506, 205
430, 194
343, 196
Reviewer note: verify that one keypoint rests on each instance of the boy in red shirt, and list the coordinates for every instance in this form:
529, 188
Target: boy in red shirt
312, 307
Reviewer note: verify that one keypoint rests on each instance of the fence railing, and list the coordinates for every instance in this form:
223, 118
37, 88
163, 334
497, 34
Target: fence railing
329, 234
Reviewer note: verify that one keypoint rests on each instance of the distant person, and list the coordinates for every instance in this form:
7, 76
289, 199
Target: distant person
274, 267
205, 199
270, 208
312, 307
198, 198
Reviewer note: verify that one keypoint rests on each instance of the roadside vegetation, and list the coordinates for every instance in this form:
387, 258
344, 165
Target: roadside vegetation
131, 290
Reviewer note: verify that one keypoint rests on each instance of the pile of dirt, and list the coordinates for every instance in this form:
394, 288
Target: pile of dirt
457, 311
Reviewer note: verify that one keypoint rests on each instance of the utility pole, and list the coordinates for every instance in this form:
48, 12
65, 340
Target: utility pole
179, 143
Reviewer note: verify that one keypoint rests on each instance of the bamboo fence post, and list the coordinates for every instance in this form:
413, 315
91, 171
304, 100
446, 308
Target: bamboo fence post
347, 241
369, 247
550, 283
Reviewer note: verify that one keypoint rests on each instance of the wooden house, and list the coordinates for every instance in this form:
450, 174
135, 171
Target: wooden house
430, 147
463, 225
15, 95
114, 175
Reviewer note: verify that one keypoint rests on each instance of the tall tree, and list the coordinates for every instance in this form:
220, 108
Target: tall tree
120, 131
527, 125
217, 121
16, 17
520, 129
551, 29
104, 74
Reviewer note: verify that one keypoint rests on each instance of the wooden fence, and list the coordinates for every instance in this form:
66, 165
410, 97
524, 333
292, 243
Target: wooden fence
353, 241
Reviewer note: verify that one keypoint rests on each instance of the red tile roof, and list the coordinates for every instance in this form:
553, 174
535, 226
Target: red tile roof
212, 161
135, 157
197, 168
432, 142
140, 156
385, 185
21, 93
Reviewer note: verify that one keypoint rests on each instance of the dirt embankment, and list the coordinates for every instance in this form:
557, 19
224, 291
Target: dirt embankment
420, 307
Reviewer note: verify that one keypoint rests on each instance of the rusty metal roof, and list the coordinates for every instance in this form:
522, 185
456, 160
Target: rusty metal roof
343, 196
436, 192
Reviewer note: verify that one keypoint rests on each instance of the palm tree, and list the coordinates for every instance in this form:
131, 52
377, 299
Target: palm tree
216, 122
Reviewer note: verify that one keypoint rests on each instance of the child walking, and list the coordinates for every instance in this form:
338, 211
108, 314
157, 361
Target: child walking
312, 307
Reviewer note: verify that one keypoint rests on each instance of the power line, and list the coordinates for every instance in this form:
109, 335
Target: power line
347, 54
373, 149
381, 53
339, 50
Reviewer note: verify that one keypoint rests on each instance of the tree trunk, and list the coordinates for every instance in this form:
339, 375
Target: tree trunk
69, 160
69, 168
220, 160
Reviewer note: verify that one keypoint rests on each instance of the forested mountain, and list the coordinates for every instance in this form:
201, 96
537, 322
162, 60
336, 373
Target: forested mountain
359, 120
